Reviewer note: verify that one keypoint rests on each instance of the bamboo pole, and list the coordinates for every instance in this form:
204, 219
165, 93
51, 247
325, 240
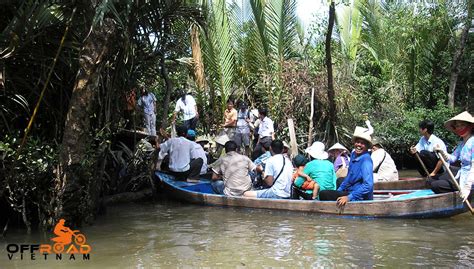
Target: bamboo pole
422, 165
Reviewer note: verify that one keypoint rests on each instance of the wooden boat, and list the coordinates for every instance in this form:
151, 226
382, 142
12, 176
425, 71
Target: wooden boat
404, 204
409, 183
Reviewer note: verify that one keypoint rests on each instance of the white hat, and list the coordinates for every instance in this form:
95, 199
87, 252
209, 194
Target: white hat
465, 116
363, 133
222, 139
317, 151
338, 146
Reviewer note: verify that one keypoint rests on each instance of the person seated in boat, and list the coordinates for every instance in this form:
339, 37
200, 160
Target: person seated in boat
278, 175
425, 149
179, 150
231, 175
257, 175
463, 126
384, 166
359, 183
320, 169
304, 185
198, 152
340, 155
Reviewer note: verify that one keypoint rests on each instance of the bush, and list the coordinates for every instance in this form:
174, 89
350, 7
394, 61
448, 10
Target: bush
27, 177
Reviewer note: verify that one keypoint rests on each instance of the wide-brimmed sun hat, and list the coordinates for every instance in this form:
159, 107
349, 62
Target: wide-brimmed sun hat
338, 146
317, 151
377, 141
465, 116
363, 133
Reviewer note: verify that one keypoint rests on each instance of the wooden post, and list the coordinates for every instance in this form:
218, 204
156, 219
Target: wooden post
310, 131
293, 143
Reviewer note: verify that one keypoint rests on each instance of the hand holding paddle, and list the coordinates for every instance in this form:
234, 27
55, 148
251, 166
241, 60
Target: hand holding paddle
446, 167
428, 175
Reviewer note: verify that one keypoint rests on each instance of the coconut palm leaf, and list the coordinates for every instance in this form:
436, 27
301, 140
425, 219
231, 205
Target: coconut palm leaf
219, 52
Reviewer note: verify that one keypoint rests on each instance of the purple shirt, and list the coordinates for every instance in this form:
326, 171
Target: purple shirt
338, 162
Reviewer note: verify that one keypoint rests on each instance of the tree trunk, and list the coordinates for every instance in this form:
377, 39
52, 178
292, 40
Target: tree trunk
455, 68
169, 89
77, 188
331, 94
199, 76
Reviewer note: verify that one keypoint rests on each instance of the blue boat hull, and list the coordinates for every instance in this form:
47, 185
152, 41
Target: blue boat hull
417, 204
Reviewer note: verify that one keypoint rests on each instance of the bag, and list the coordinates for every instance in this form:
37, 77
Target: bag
342, 172
376, 170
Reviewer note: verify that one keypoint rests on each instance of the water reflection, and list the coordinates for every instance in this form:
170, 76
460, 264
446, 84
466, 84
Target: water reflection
169, 234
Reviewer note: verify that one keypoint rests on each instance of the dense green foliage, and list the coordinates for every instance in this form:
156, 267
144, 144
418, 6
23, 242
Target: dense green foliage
391, 60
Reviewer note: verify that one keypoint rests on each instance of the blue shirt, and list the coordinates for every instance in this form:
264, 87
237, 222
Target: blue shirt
360, 178
147, 102
428, 145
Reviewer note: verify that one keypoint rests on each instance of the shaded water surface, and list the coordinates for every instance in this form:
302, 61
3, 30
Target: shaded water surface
170, 234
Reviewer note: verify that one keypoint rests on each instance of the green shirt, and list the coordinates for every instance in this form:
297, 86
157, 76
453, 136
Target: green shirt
322, 171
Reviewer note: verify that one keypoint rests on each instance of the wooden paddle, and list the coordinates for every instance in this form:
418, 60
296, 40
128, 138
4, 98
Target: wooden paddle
446, 167
423, 165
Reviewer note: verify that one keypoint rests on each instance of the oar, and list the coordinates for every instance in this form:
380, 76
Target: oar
422, 165
446, 167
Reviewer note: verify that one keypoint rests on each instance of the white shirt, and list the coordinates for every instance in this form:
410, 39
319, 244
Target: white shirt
265, 127
428, 145
198, 152
387, 171
282, 185
188, 109
179, 150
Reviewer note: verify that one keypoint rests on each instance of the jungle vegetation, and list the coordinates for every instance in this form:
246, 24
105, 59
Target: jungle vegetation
66, 66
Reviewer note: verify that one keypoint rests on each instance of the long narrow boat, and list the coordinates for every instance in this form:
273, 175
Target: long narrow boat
404, 204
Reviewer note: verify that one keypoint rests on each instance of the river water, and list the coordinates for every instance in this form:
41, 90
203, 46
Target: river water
171, 234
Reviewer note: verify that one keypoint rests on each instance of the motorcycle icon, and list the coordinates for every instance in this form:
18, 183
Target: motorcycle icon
64, 237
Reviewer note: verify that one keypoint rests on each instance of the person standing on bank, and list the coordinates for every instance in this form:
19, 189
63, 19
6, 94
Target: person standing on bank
359, 183
230, 120
242, 132
463, 126
425, 149
187, 105
265, 132
148, 103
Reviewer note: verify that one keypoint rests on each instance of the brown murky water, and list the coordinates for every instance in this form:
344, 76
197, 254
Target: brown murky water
168, 234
